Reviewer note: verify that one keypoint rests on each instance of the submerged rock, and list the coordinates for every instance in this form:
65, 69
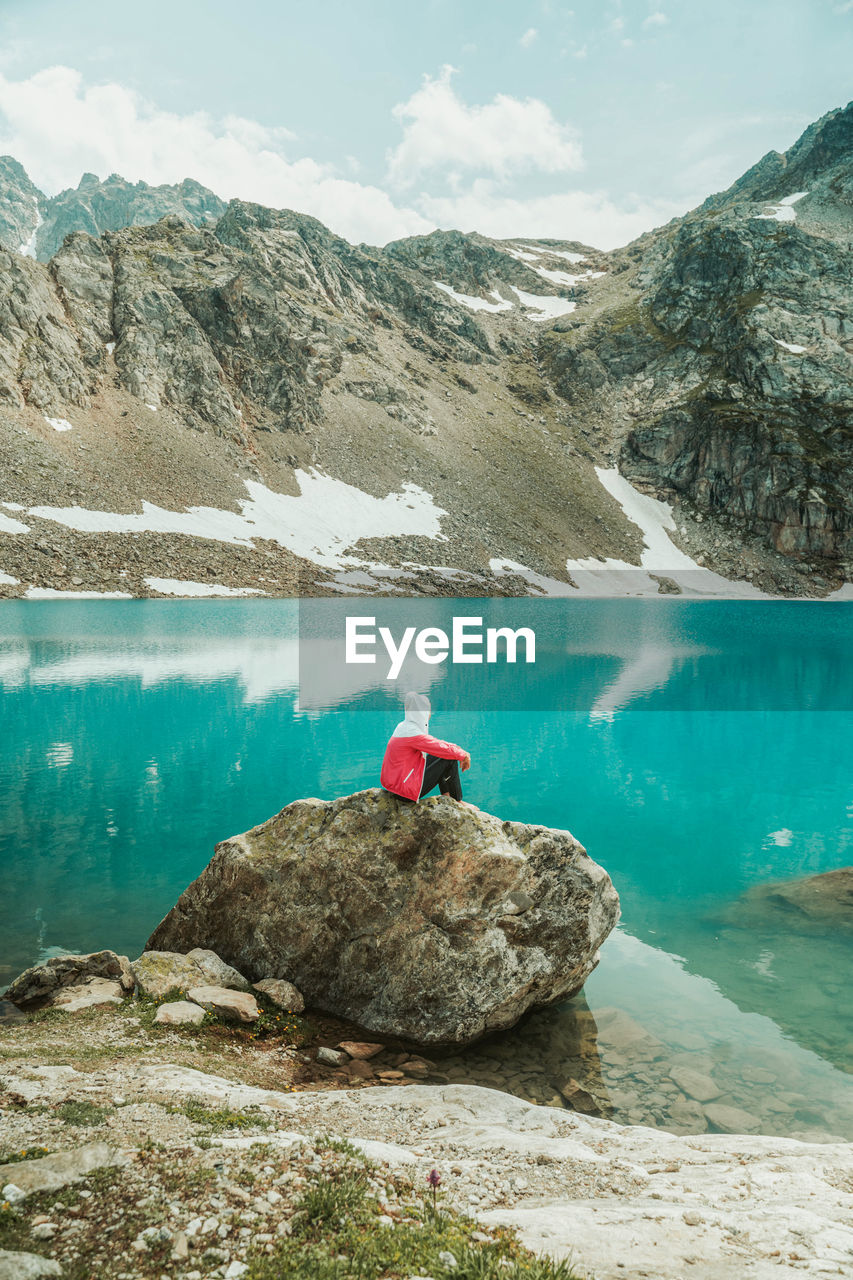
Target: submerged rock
403, 918
820, 902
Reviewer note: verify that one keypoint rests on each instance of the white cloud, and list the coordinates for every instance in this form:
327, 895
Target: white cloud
502, 137
59, 129
656, 19
528, 38
573, 215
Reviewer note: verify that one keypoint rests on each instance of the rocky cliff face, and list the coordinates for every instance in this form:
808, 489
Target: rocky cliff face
721, 372
489, 384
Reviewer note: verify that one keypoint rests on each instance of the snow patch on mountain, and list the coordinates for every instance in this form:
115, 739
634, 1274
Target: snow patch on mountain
790, 346
784, 211
178, 587
327, 518
8, 525
660, 555
28, 248
53, 593
548, 307
473, 303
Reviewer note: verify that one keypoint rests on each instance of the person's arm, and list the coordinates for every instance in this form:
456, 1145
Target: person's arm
437, 747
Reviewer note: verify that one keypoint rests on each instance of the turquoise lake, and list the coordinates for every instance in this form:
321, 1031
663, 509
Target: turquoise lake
696, 748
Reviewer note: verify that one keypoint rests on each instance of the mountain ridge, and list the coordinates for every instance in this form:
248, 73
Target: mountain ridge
708, 363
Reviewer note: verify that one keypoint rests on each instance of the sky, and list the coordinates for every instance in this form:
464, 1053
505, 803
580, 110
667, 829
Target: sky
594, 120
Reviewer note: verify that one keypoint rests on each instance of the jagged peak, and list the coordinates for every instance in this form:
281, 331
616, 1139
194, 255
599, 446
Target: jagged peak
825, 143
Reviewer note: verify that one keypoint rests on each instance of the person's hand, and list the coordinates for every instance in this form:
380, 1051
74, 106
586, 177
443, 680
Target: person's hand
465, 762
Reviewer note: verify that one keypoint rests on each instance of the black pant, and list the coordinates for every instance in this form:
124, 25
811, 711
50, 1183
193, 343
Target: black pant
444, 774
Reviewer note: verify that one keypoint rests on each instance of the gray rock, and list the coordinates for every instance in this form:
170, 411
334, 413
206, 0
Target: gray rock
331, 1057
237, 1005
730, 1119
63, 1167
92, 207
44, 1230
179, 1013
20, 201
716, 412
392, 915
159, 972
282, 993
216, 971
43, 982
26, 1266
85, 995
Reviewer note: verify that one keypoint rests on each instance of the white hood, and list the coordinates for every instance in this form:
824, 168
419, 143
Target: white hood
417, 716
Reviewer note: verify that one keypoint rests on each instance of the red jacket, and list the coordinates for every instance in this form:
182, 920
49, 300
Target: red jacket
405, 761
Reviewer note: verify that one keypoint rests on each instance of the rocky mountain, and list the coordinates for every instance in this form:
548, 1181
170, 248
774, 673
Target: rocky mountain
722, 371
36, 224
235, 395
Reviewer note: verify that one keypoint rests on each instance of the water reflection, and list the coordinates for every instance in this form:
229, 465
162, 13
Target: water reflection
695, 751
650, 1043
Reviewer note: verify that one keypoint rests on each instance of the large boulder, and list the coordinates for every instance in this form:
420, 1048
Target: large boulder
434, 922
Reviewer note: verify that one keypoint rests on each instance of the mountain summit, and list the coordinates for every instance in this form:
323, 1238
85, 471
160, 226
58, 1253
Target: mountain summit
236, 394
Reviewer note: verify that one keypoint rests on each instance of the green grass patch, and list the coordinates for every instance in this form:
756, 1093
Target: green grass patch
325, 1142
220, 1118
187, 1178
325, 1204
14, 1230
81, 1112
336, 1234
26, 1153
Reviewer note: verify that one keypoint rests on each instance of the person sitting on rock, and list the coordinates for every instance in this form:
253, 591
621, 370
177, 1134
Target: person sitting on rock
415, 762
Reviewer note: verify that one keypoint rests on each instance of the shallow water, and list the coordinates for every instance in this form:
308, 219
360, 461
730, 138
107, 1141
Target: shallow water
695, 748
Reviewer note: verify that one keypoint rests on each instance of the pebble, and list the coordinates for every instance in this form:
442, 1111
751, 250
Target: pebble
331, 1057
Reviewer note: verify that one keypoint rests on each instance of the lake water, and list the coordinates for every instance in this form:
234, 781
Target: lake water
695, 748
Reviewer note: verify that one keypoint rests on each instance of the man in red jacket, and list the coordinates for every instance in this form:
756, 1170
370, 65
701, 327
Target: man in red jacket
415, 762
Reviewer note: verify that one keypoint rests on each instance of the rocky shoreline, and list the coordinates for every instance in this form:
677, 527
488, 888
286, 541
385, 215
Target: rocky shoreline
176, 1131
194, 1175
